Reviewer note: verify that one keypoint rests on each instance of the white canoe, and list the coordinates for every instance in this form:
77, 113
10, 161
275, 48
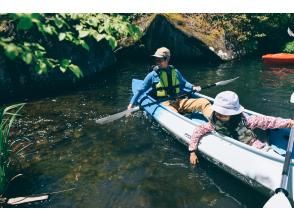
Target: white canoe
259, 169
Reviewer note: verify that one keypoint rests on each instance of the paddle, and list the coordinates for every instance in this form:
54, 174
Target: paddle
291, 34
119, 115
280, 199
221, 83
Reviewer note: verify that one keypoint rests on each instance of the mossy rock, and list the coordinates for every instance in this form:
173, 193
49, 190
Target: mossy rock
188, 36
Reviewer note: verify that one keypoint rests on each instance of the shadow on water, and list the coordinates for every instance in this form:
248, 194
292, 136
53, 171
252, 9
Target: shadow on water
132, 162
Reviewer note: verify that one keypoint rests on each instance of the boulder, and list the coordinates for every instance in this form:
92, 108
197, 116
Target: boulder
188, 38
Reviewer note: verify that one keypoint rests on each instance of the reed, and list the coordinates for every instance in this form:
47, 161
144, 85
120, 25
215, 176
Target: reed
7, 117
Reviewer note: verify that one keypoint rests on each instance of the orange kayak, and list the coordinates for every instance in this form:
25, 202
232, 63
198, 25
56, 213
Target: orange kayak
278, 58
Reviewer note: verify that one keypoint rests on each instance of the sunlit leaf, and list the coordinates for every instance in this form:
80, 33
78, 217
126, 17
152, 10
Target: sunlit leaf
76, 70
69, 36
58, 22
79, 27
61, 36
39, 47
98, 37
12, 51
112, 42
64, 65
83, 33
84, 45
48, 29
27, 57
36, 18
41, 67
39, 53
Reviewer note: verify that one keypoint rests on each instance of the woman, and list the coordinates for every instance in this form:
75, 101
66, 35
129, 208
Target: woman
229, 119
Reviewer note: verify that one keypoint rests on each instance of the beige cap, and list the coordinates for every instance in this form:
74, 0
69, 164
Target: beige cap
162, 52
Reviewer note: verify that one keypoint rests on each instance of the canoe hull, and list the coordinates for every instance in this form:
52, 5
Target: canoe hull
279, 58
259, 169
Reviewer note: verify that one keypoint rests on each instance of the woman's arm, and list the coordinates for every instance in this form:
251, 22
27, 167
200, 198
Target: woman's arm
268, 122
198, 133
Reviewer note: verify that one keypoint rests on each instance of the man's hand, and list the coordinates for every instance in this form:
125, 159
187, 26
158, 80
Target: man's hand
130, 106
196, 88
193, 158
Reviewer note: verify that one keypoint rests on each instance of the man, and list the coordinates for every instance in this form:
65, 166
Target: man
165, 81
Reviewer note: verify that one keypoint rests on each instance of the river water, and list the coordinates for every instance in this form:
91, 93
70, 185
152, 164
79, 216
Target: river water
132, 162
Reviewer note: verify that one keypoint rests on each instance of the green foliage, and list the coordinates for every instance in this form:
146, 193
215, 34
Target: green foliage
249, 31
35, 35
7, 117
289, 47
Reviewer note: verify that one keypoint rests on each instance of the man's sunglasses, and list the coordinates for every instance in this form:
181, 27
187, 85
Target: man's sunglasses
160, 59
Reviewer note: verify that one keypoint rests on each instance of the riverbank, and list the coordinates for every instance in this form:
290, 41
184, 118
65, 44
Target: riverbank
192, 38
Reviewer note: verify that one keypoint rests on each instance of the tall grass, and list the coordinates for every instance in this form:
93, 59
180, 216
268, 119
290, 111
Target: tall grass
7, 117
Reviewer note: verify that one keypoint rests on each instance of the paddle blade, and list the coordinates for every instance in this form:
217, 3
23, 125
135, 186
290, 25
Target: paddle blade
225, 82
279, 200
291, 34
116, 116
292, 98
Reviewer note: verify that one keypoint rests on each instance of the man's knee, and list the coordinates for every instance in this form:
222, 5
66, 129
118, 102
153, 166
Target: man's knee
203, 102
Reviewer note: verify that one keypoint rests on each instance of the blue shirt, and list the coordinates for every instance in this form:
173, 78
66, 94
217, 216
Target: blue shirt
153, 78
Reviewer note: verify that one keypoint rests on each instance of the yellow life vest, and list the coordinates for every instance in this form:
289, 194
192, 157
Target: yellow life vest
168, 84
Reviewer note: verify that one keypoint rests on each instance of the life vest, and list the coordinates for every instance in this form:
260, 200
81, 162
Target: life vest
168, 84
235, 128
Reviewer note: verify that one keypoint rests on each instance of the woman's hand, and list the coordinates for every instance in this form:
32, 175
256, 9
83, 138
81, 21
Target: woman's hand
193, 158
291, 124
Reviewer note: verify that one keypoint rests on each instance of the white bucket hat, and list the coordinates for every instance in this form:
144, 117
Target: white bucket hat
227, 103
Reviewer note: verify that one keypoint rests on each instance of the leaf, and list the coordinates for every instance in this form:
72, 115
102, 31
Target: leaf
69, 36
98, 37
62, 69
83, 33
112, 42
76, 70
24, 23
39, 46
51, 62
12, 51
79, 27
27, 57
64, 65
58, 22
92, 22
84, 45
36, 18
61, 36
39, 54
41, 67
48, 29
